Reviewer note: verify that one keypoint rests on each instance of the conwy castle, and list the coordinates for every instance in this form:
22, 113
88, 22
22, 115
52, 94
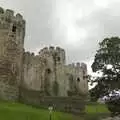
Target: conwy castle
45, 74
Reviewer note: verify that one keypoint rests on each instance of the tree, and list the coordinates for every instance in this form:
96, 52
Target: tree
108, 55
107, 61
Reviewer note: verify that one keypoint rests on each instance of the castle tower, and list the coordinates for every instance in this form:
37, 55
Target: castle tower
60, 55
12, 32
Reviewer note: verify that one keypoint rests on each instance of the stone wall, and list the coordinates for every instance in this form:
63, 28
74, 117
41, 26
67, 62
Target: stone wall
12, 32
48, 72
64, 104
38, 72
76, 78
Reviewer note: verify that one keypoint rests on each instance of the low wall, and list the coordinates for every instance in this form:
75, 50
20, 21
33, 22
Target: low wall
74, 105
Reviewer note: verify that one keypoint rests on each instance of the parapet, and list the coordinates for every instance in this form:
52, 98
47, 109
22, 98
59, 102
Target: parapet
19, 17
51, 49
8, 16
32, 54
84, 66
9, 13
1, 10
77, 64
58, 49
71, 65
30, 58
27, 53
43, 51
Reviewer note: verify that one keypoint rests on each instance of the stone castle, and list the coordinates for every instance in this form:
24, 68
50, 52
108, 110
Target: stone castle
46, 72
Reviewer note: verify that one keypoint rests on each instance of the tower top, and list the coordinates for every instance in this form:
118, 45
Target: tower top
8, 16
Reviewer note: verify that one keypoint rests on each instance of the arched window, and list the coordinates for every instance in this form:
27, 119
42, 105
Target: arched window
78, 79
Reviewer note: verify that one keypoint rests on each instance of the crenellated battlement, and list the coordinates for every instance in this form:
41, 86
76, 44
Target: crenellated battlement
12, 31
57, 52
1, 10
36, 72
8, 17
51, 49
84, 66
78, 65
29, 54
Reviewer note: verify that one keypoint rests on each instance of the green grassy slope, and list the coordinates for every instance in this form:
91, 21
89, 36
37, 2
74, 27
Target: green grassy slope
96, 111
15, 111
97, 108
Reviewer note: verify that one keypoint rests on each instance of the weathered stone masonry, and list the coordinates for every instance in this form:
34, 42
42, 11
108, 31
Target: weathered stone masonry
44, 74
12, 31
48, 72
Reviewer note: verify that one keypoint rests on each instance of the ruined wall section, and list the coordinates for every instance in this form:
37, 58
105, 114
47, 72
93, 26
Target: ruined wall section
76, 79
85, 77
43, 71
48, 73
34, 71
38, 71
55, 58
12, 32
59, 63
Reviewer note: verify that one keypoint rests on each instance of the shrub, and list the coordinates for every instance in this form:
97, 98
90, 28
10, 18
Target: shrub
113, 104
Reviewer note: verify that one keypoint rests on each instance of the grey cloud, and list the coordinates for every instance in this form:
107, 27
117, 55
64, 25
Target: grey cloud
38, 20
39, 23
44, 28
101, 23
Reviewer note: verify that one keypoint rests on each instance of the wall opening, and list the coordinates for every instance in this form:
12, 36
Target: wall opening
14, 28
58, 58
48, 70
78, 79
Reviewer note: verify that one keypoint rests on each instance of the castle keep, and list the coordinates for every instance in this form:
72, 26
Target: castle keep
46, 73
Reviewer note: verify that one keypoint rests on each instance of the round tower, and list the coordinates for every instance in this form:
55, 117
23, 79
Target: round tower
12, 32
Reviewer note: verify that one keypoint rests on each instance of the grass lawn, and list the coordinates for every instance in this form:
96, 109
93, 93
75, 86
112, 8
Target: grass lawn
96, 111
17, 111
96, 108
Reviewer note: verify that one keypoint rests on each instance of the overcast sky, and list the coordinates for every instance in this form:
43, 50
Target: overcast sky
75, 25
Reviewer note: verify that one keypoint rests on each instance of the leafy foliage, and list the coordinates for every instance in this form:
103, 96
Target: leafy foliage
113, 104
108, 55
97, 92
107, 61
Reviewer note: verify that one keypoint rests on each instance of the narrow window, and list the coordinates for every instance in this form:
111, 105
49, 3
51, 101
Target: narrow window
14, 28
58, 58
48, 71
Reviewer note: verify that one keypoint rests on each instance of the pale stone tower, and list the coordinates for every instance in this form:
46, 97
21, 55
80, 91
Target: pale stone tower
12, 32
